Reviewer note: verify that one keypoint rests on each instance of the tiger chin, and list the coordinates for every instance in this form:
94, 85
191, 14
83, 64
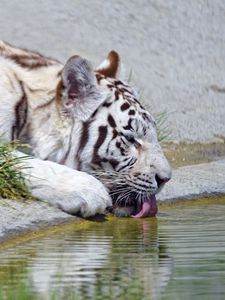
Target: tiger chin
94, 145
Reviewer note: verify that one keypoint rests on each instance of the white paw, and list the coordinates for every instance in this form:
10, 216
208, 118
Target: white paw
88, 197
72, 191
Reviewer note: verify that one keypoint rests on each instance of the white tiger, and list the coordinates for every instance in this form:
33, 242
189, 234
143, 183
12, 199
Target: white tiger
95, 145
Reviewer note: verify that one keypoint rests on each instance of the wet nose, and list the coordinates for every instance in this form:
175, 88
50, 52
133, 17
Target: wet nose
161, 180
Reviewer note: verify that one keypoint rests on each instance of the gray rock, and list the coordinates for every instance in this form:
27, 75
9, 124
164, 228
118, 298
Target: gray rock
195, 181
19, 217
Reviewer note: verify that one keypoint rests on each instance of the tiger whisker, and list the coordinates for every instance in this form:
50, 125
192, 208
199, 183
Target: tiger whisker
121, 198
119, 191
123, 194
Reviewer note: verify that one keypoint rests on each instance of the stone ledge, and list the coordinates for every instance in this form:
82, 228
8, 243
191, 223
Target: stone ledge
195, 181
18, 217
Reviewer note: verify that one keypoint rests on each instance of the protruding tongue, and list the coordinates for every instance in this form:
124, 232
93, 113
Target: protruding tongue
148, 209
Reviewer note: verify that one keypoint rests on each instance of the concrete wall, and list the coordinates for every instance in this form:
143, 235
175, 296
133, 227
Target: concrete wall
176, 49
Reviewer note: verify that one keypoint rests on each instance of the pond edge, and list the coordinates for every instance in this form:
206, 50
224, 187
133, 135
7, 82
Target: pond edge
21, 217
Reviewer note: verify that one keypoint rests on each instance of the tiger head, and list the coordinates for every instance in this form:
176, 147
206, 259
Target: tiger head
117, 137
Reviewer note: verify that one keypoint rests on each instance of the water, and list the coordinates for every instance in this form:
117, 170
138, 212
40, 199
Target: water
180, 255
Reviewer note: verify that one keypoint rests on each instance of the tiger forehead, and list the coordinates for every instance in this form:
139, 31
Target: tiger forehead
127, 97
119, 88
111, 82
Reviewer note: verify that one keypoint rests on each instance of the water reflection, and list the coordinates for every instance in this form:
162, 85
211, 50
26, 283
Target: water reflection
104, 259
179, 255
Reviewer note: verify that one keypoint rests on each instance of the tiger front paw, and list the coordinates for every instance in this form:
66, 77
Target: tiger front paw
88, 198
74, 192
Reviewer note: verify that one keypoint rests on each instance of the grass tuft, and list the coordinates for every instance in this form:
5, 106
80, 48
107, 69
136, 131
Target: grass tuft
161, 118
164, 133
12, 182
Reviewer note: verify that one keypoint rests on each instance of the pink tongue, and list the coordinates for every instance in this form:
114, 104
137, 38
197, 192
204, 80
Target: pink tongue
149, 208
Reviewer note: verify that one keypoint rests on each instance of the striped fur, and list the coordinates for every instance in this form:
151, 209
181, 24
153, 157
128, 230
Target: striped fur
84, 119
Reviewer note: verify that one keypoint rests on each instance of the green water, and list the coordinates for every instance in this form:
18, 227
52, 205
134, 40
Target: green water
180, 255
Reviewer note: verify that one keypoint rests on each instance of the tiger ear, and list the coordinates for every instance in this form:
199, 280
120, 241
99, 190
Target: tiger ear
81, 95
111, 66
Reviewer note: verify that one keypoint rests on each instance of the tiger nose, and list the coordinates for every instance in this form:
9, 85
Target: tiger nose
161, 180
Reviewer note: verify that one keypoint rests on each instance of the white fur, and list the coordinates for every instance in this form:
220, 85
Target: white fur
72, 191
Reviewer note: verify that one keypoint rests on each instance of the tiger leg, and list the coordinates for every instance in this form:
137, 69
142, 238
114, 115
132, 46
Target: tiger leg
72, 191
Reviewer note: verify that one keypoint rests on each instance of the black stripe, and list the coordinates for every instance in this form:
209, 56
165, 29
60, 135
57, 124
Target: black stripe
111, 121
122, 150
94, 113
117, 95
101, 138
114, 163
131, 112
83, 141
107, 104
63, 160
129, 162
138, 185
128, 126
125, 106
123, 90
118, 82
21, 109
